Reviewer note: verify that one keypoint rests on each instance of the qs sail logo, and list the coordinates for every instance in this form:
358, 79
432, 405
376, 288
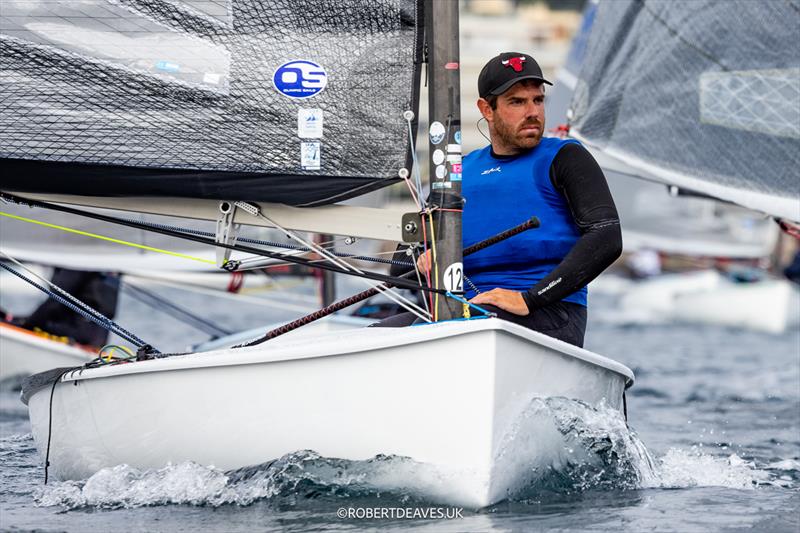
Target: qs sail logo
300, 79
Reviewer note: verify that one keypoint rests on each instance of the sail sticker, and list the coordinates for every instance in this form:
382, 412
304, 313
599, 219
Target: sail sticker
441, 172
456, 168
454, 158
453, 148
436, 132
300, 78
452, 65
457, 136
438, 157
441, 185
310, 155
309, 123
455, 176
454, 277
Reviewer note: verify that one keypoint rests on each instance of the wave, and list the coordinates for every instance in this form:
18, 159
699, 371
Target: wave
593, 449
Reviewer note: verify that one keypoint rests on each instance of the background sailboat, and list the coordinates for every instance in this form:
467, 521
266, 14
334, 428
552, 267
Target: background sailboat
664, 92
655, 121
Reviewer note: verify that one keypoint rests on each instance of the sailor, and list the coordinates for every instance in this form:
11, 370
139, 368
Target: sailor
538, 278
95, 289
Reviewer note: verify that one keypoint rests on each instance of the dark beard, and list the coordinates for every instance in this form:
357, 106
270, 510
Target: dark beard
512, 140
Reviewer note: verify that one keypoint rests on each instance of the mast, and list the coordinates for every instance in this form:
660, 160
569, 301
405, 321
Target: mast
444, 137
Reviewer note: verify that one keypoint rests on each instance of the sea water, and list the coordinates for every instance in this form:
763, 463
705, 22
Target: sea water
712, 443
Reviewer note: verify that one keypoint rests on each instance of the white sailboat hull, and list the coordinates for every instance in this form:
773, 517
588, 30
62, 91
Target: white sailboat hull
23, 353
447, 395
707, 297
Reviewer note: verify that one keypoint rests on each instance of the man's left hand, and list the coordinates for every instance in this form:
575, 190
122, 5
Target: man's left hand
505, 299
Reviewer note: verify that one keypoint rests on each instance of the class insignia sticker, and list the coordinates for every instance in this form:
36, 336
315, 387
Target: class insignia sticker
300, 79
436, 132
309, 123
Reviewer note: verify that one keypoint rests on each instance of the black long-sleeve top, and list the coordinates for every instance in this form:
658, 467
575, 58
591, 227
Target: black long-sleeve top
576, 175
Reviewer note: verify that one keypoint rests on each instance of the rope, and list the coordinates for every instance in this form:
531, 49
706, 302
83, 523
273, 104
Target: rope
409, 117
272, 244
472, 285
533, 222
386, 289
109, 239
111, 357
399, 282
158, 226
429, 295
79, 307
436, 269
470, 304
50, 423
419, 278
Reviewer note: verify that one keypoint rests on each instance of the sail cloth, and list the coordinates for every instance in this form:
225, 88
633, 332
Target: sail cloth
292, 101
652, 218
704, 95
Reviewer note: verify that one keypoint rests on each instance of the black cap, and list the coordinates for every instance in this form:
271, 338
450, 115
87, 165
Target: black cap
503, 71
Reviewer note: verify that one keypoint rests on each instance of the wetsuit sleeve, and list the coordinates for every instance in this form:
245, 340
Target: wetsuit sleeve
578, 177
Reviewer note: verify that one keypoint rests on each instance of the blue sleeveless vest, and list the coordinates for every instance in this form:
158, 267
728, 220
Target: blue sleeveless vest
502, 193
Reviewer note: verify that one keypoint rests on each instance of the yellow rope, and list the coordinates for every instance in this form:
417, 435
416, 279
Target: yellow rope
109, 239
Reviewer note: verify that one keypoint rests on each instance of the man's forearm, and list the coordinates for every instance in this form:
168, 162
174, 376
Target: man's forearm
595, 251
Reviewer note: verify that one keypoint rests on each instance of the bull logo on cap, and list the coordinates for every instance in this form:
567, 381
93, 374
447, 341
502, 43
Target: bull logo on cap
515, 63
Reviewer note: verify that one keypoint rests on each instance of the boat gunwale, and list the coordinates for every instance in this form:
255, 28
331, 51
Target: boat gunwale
296, 351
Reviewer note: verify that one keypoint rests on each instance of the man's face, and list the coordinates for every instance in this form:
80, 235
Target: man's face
517, 123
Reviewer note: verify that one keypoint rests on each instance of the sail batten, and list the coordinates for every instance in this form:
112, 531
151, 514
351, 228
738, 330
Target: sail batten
698, 94
180, 99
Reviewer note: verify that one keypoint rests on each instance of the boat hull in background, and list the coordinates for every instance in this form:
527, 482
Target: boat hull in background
447, 395
707, 297
24, 352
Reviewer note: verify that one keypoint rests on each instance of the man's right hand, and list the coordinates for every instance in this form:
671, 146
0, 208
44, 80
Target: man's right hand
424, 261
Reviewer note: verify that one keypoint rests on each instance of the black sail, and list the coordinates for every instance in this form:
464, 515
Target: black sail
180, 99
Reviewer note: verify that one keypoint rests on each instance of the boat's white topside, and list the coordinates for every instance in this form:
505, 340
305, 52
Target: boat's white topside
40, 342
24, 352
346, 342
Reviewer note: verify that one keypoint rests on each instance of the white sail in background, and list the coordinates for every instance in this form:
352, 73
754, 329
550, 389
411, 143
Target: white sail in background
699, 95
652, 218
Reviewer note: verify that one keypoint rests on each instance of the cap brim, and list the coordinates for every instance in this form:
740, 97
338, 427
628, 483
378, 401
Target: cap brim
506, 86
